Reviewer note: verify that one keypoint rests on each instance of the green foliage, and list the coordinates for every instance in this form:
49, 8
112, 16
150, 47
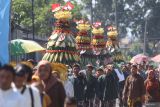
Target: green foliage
130, 14
22, 14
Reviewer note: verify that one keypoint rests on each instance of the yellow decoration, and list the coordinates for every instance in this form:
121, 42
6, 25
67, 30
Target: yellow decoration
94, 41
63, 14
98, 42
61, 68
82, 39
112, 34
83, 27
97, 31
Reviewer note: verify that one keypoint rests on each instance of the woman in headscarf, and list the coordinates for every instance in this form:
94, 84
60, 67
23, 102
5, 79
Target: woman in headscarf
52, 86
152, 88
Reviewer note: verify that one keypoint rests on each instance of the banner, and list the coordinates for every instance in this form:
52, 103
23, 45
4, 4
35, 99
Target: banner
4, 30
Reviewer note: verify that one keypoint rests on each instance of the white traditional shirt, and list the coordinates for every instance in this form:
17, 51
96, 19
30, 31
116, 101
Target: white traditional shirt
120, 75
11, 98
27, 97
68, 86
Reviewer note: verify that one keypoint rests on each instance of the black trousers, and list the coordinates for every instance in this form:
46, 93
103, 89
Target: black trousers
108, 103
80, 103
89, 103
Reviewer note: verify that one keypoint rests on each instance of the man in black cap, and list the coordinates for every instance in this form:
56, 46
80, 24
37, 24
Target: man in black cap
79, 84
108, 87
31, 94
90, 87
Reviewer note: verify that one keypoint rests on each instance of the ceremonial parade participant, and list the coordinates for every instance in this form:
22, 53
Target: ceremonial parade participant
126, 73
52, 86
141, 71
8, 96
99, 72
45, 99
134, 89
108, 87
152, 87
70, 101
79, 84
31, 94
90, 91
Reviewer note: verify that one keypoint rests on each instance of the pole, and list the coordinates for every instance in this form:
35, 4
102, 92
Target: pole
145, 35
91, 15
33, 35
91, 12
33, 19
116, 14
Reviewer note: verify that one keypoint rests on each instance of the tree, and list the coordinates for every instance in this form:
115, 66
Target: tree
22, 14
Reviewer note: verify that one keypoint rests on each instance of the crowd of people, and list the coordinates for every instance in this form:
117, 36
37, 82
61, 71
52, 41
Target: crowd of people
129, 85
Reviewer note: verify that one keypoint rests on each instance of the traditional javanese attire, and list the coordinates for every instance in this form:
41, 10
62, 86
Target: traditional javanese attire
108, 89
79, 85
134, 89
55, 90
90, 92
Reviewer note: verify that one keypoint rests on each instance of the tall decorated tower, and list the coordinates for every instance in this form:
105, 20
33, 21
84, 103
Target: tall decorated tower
98, 41
83, 39
113, 44
61, 46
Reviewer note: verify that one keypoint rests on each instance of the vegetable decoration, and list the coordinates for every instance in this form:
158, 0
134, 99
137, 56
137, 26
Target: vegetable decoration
98, 41
112, 42
61, 46
83, 40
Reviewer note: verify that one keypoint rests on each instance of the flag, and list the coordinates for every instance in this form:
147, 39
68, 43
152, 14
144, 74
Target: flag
56, 7
68, 6
97, 24
4, 30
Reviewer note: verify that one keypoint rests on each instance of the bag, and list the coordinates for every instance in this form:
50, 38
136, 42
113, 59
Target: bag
32, 97
31, 94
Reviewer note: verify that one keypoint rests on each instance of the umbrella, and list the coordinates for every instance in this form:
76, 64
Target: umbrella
139, 58
20, 46
156, 58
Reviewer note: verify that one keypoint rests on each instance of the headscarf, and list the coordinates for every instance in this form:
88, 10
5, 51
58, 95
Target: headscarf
44, 63
151, 72
152, 83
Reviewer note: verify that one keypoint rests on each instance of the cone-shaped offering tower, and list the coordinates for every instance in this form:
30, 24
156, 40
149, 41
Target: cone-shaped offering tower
83, 40
98, 42
61, 46
113, 44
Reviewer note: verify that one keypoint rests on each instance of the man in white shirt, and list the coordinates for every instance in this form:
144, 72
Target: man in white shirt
9, 97
30, 94
68, 86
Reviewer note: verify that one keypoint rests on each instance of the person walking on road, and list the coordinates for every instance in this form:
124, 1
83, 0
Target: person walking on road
134, 89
